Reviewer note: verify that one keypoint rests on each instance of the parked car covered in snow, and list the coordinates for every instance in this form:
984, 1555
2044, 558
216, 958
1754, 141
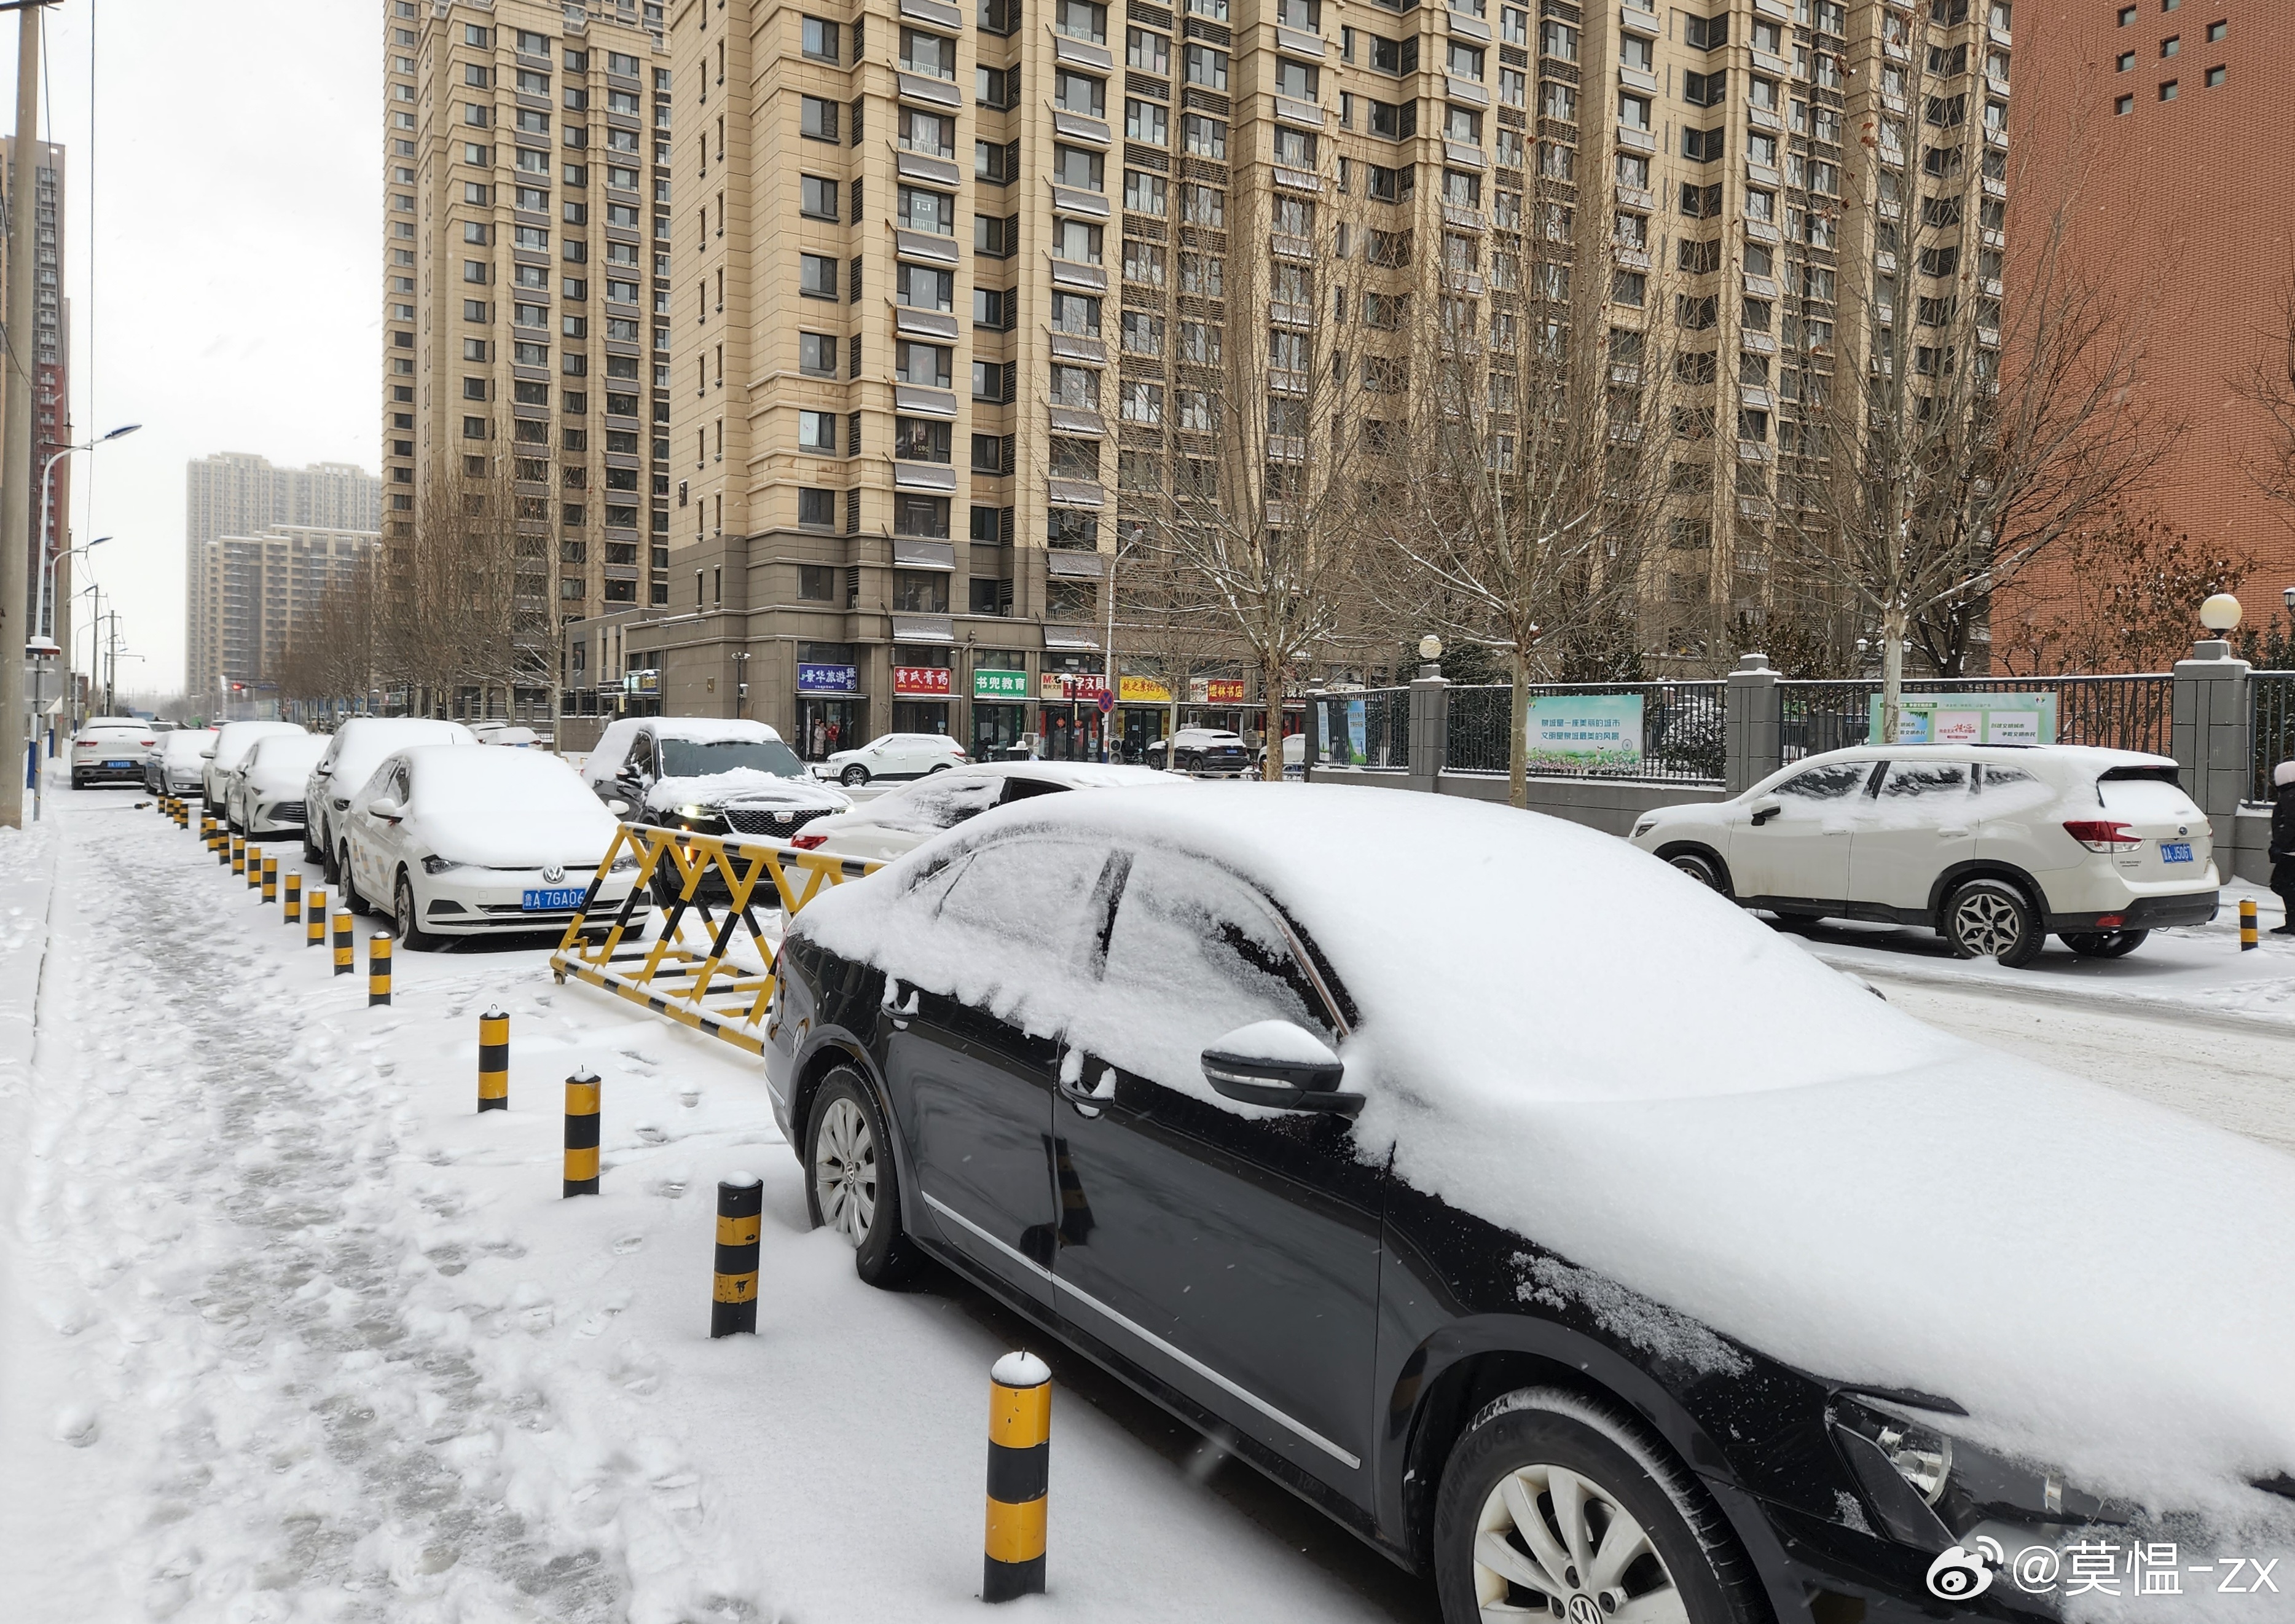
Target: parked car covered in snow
891, 756
710, 775
176, 764
1212, 751
357, 746
453, 841
903, 819
265, 793
1994, 848
1772, 1303
110, 750
233, 741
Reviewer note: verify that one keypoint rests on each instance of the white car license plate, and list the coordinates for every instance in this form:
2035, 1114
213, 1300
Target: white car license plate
119, 763
553, 900
2175, 851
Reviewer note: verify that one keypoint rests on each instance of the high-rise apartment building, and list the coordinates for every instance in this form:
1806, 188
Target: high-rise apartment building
2164, 109
526, 285
51, 386
258, 590
946, 279
233, 493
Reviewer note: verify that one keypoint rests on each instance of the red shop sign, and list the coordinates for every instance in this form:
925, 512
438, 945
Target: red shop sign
930, 681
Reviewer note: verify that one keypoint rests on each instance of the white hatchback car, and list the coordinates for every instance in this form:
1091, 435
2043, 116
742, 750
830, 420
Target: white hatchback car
357, 745
891, 756
111, 749
233, 741
904, 818
264, 795
466, 842
1994, 848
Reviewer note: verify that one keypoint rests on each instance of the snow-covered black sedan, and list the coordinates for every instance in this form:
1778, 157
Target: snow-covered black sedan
1556, 1226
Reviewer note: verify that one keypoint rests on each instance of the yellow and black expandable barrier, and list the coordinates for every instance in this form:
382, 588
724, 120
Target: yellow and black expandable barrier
741, 1215
1019, 1476
290, 904
711, 966
378, 968
581, 1101
493, 1061
345, 953
233, 854
314, 920
2248, 936
270, 879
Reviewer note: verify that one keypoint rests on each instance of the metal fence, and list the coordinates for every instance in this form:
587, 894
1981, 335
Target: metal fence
1369, 728
2271, 697
2123, 713
1682, 733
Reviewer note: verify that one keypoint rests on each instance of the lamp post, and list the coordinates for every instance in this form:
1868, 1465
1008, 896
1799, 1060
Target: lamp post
1430, 649
47, 468
48, 583
2220, 614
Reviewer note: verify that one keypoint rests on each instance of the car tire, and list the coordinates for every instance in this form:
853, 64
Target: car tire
944, 767
78, 782
849, 1183
1700, 866
1501, 1475
1991, 918
407, 920
2103, 943
330, 867
351, 899
852, 777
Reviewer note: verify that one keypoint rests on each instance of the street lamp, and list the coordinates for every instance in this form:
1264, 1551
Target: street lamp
2220, 613
46, 468
48, 581
2287, 597
1430, 649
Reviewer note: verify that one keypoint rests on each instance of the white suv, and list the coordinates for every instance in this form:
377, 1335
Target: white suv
1994, 848
891, 756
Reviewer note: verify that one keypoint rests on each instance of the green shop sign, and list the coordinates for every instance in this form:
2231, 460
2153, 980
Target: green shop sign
1000, 684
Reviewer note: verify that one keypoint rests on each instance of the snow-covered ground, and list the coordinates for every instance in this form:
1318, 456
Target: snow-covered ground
289, 1332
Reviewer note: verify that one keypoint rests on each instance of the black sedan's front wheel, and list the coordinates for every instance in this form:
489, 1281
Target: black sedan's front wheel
849, 1183
1557, 1505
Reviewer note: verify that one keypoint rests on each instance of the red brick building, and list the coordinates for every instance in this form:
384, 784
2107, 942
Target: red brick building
2163, 121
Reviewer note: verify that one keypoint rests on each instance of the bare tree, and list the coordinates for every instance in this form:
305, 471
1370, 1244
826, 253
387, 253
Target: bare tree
1987, 409
464, 603
2270, 384
1524, 489
2124, 586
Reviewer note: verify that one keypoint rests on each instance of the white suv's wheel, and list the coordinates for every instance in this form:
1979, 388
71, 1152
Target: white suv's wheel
1991, 919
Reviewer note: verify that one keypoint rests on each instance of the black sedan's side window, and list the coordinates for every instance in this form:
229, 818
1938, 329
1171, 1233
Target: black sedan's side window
1209, 951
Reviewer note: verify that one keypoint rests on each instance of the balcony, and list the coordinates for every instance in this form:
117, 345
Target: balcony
1305, 114
1283, 246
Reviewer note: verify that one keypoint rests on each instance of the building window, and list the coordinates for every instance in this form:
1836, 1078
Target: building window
924, 516
816, 197
2167, 90
2216, 31
817, 509
817, 118
2216, 76
817, 276
820, 40
2124, 62
816, 431
2124, 104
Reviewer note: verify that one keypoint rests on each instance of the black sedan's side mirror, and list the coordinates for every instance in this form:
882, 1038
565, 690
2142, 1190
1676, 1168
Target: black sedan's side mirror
1273, 1062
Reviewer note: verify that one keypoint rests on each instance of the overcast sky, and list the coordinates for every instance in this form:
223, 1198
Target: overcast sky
221, 248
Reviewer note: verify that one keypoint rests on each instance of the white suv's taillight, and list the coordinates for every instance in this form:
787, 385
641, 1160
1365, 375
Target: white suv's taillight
2099, 835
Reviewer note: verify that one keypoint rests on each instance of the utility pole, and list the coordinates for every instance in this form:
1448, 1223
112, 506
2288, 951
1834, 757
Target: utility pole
111, 666
16, 455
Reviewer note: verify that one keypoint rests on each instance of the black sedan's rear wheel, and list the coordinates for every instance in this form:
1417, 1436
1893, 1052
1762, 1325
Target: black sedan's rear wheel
850, 1186
1559, 1506
2104, 943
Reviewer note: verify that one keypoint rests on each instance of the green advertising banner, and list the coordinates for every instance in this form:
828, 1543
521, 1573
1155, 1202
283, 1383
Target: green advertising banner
1000, 684
1971, 719
1580, 732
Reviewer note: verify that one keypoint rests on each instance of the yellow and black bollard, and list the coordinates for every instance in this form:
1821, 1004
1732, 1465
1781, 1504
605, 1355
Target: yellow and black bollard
1019, 1475
378, 968
207, 831
239, 854
493, 1061
733, 1303
229, 854
290, 905
582, 1092
254, 866
343, 951
270, 880
2248, 938
314, 920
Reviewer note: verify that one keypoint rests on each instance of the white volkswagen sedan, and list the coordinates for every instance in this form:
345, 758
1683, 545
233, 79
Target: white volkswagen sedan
1994, 848
457, 842
891, 756
264, 795
233, 741
356, 748
900, 819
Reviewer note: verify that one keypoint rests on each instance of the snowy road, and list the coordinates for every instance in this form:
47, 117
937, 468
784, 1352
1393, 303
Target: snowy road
288, 1332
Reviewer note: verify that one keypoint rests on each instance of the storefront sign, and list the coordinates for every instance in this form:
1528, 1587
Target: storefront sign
827, 678
922, 681
642, 682
1071, 687
1576, 733
1971, 719
1142, 691
1215, 690
1011, 685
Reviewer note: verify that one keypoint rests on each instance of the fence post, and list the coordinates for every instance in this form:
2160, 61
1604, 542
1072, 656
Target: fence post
1315, 719
1430, 728
1753, 724
2211, 734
